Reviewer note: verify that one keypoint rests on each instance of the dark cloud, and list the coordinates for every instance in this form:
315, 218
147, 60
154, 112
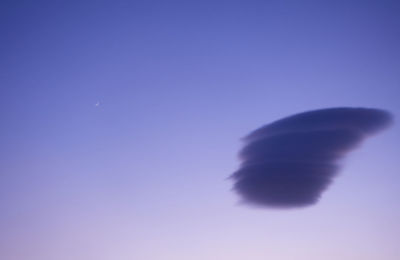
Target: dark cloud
290, 162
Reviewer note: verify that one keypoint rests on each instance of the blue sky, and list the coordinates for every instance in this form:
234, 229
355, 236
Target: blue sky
144, 175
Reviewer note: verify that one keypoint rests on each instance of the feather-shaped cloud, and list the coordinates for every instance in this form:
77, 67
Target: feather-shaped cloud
290, 162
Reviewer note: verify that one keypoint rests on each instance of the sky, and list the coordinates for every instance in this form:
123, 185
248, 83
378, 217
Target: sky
122, 121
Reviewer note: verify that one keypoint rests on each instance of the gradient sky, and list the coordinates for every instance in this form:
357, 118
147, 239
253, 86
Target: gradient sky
144, 174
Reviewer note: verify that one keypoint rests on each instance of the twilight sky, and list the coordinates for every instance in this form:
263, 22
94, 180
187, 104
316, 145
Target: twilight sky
144, 174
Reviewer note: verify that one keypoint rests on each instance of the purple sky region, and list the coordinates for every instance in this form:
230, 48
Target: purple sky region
121, 121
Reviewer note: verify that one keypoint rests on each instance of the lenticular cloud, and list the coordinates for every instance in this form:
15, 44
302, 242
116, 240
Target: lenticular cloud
290, 162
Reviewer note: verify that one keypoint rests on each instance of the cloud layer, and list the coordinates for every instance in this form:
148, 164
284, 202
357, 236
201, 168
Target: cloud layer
290, 162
